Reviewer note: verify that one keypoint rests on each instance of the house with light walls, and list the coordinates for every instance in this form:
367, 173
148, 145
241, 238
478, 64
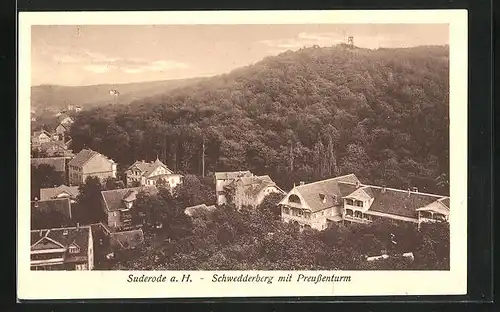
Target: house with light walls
89, 163
345, 199
150, 173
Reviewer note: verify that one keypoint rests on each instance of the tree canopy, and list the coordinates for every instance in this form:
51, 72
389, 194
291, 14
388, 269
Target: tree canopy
305, 115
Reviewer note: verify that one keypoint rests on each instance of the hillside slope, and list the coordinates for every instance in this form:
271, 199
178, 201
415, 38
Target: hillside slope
54, 97
303, 115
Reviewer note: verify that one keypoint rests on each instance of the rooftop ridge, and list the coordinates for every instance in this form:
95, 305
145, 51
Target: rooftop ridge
441, 197
331, 179
63, 228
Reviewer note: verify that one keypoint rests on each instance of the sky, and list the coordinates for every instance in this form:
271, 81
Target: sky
93, 54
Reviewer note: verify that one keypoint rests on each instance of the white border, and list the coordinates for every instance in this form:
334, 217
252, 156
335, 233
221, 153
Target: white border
112, 284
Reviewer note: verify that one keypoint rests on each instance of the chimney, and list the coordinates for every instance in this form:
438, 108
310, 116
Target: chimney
415, 189
78, 225
41, 233
301, 183
383, 188
409, 191
357, 184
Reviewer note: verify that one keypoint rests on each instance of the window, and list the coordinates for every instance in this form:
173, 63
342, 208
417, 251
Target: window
74, 249
80, 267
294, 199
349, 201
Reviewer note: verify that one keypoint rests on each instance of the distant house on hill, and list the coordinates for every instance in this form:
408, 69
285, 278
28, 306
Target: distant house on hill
345, 199
55, 149
51, 213
222, 179
62, 191
250, 191
89, 163
65, 120
117, 204
149, 173
40, 137
65, 249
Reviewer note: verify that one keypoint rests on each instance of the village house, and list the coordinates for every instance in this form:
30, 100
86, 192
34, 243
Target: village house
55, 149
223, 179
62, 191
40, 137
51, 212
250, 191
69, 248
345, 199
61, 131
89, 163
118, 203
150, 173
65, 120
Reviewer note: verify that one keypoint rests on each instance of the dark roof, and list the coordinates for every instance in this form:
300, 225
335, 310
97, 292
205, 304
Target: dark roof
400, 202
84, 156
61, 205
113, 199
445, 201
62, 238
126, 239
49, 193
59, 163
232, 175
332, 189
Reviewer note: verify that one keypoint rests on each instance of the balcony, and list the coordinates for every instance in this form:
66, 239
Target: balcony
363, 219
299, 219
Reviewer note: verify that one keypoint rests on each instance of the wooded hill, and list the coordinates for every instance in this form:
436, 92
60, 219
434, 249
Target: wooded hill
298, 116
56, 97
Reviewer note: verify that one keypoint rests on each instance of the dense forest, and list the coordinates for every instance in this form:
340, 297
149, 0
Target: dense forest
298, 116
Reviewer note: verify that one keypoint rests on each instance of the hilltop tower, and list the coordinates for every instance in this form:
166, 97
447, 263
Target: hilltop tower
350, 41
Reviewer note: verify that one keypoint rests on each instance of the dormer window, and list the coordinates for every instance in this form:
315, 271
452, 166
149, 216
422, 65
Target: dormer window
74, 249
322, 197
294, 199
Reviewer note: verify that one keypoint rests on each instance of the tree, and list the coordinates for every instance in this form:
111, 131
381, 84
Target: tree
111, 183
44, 176
270, 203
89, 207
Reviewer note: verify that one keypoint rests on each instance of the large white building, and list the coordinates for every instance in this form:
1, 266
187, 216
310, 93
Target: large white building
345, 199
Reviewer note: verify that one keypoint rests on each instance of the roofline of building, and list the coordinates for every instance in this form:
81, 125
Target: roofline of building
331, 179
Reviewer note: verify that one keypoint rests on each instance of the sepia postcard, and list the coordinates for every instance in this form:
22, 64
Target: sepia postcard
242, 154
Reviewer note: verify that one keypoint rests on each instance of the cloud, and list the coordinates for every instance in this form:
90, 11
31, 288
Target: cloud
303, 39
100, 63
99, 69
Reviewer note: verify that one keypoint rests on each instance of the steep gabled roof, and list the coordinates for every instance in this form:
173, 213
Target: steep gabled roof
148, 168
63, 238
113, 199
53, 192
333, 189
84, 156
437, 206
